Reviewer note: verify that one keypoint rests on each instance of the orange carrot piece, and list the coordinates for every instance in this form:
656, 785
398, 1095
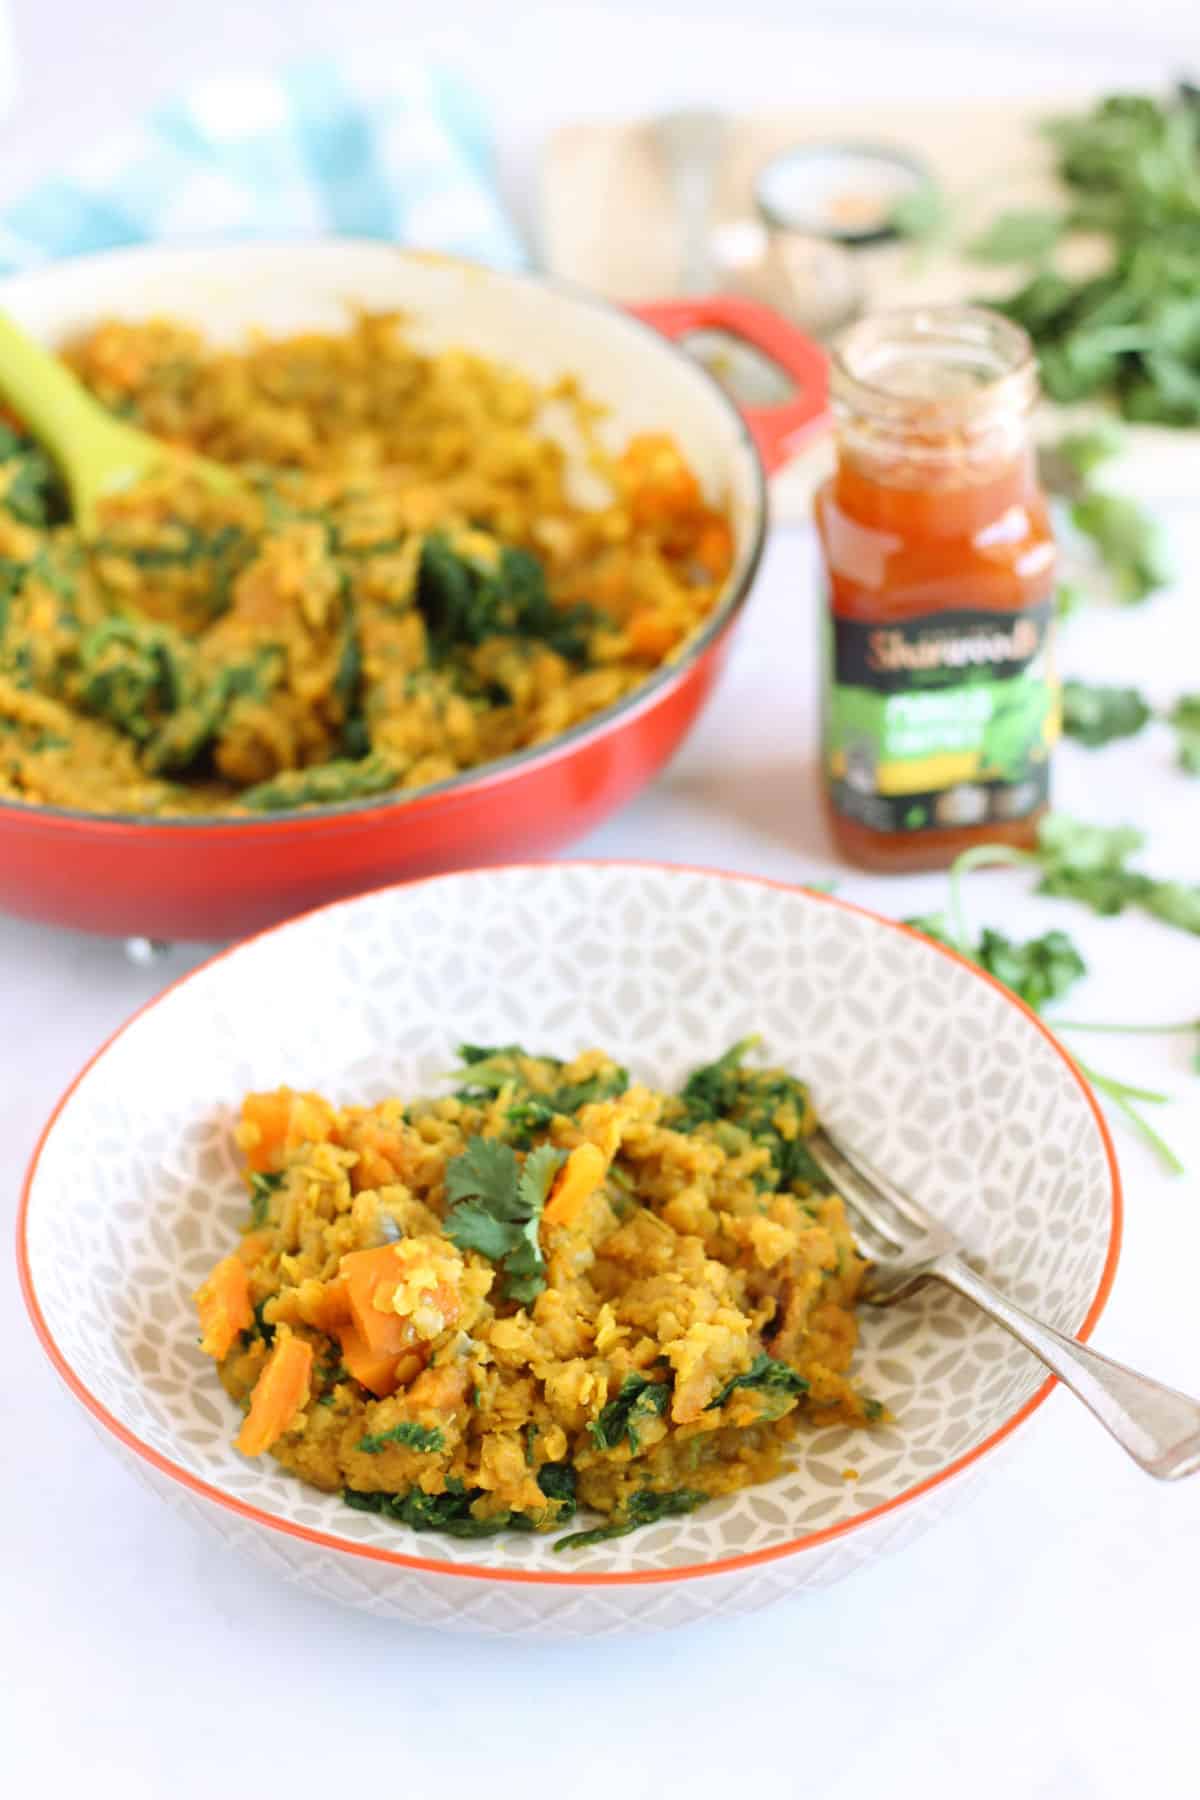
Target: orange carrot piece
663, 487
223, 1303
377, 1370
381, 1151
444, 1388
364, 1273
273, 1124
334, 1309
714, 547
280, 1392
651, 635
578, 1179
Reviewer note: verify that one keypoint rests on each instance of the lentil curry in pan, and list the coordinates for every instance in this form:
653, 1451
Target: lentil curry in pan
405, 588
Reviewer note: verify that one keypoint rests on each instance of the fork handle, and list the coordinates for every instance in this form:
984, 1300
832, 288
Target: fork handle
1158, 1426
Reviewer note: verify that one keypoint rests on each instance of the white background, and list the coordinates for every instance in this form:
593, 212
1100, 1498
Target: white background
1039, 1645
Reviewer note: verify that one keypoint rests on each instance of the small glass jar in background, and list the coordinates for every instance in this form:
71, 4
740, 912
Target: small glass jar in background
940, 701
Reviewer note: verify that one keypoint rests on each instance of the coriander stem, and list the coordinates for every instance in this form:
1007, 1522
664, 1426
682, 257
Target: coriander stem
1127, 1030
1111, 1085
981, 855
1121, 1097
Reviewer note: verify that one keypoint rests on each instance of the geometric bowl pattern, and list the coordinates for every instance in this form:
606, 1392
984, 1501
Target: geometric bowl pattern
929, 1066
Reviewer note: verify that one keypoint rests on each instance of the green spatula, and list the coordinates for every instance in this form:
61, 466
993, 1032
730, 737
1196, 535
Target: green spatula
96, 454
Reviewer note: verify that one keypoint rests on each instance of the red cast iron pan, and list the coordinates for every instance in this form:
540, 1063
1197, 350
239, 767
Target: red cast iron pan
221, 878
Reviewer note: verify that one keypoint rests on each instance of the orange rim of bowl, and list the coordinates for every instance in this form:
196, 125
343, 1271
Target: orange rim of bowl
636, 1577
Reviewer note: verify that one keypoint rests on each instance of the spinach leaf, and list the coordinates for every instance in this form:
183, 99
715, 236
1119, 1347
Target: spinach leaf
537, 1111
260, 1328
262, 1186
450, 1511
638, 1398
712, 1091
189, 731
426, 1438
225, 551
766, 1375
348, 683
325, 784
464, 602
132, 674
755, 1102
557, 1482
643, 1508
31, 489
490, 1068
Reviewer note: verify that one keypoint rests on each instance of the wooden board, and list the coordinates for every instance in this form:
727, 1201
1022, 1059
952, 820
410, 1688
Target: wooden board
608, 221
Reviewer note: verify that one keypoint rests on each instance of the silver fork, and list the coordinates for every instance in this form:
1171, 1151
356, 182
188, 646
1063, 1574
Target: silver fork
1156, 1425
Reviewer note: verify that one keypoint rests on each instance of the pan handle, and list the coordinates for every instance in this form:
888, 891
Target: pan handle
778, 431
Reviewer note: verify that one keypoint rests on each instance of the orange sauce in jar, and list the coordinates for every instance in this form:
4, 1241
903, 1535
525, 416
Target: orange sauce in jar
941, 706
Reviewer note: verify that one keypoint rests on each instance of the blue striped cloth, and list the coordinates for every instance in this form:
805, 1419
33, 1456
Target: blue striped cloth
358, 148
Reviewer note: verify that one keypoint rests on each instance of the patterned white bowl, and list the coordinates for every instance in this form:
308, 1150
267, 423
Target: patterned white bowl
957, 1089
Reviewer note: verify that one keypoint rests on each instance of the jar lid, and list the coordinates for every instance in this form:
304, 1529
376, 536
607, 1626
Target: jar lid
844, 192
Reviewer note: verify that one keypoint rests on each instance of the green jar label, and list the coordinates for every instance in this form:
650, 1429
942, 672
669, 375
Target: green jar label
939, 722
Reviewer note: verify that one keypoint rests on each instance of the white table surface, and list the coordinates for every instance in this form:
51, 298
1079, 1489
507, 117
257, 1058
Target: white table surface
1042, 1640
1039, 1645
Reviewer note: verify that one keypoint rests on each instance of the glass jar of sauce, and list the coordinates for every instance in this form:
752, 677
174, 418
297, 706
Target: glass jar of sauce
940, 702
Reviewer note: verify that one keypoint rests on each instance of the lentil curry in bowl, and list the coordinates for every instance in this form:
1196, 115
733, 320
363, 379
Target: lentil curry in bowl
139, 1190
549, 1289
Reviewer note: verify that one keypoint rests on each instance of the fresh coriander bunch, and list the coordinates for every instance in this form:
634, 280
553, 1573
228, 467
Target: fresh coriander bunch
1131, 170
1089, 864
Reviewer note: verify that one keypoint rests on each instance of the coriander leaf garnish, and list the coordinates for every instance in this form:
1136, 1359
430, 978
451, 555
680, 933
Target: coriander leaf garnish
922, 215
1185, 717
426, 1438
1095, 714
1129, 542
1077, 454
1039, 970
1026, 236
1132, 331
1175, 903
1087, 863
495, 1207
